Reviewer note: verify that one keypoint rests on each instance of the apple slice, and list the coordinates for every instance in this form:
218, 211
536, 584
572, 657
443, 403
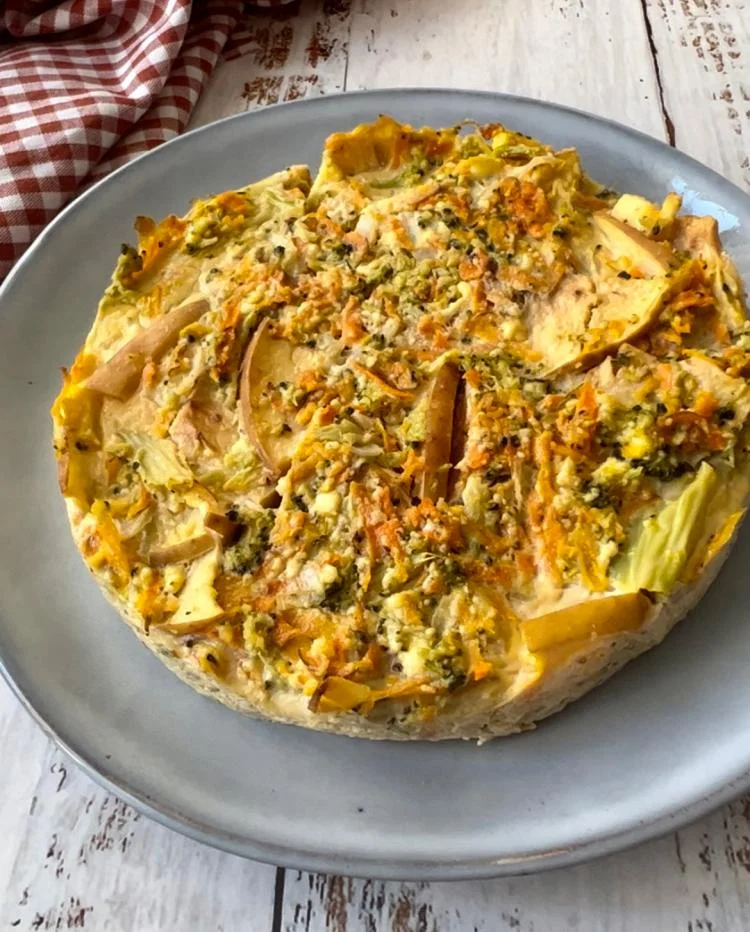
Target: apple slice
439, 432
268, 361
584, 320
227, 529
120, 375
459, 435
189, 549
624, 241
611, 615
197, 602
698, 236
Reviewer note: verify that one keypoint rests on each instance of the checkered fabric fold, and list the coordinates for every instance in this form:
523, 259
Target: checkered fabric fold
86, 85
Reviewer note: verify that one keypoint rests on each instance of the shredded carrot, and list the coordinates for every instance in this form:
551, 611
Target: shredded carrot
305, 624
698, 432
386, 535
263, 603
232, 203
423, 355
381, 383
387, 530
473, 266
543, 457
496, 574
327, 415
488, 130
437, 526
473, 378
706, 404
399, 374
318, 665
155, 240
369, 665
310, 380
230, 319
362, 509
413, 465
110, 550
526, 565
586, 550
549, 402
358, 242
587, 400
579, 432
328, 227
351, 323
433, 331
496, 544
230, 314
397, 230
150, 374
540, 510
418, 686
479, 668
305, 414
141, 504
112, 466
527, 204
690, 298
151, 603
477, 458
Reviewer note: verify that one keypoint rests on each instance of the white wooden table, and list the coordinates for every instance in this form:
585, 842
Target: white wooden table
72, 856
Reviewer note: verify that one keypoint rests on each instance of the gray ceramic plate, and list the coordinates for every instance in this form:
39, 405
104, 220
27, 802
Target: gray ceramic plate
665, 741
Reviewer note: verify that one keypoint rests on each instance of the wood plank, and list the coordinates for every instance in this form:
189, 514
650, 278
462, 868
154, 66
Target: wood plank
282, 58
567, 51
693, 880
74, 856
703, 53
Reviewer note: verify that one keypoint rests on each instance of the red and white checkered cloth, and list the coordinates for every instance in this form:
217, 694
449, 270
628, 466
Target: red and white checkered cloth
86, 85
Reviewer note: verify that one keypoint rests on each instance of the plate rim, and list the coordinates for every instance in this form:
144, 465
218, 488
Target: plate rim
395, 868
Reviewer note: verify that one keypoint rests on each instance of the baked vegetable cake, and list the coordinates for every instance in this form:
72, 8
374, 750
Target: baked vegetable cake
425, 446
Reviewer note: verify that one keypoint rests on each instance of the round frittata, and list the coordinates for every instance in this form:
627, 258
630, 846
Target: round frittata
423, 447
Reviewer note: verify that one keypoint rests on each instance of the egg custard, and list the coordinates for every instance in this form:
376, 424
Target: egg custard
424, 447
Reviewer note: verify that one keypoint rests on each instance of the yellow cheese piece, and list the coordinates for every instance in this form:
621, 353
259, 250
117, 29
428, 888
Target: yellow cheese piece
340, 695
598, 618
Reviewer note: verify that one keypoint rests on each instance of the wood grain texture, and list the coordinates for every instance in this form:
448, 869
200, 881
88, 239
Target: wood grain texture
73, 856
281, 59
589, 55
703, 53
694, 881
